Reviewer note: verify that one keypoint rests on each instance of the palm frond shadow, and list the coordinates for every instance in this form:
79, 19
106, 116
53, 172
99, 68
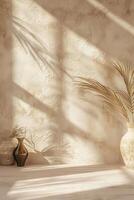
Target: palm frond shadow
120, 100
35, 47
51, 152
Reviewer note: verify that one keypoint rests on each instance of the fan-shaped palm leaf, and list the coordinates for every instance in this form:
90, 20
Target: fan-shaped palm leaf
119, 100
127, 73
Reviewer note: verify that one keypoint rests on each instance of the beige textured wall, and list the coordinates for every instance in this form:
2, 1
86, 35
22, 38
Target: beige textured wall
73, 34
5, 67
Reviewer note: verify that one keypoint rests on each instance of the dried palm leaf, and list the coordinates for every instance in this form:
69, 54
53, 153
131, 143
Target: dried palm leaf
127, 73
119, 100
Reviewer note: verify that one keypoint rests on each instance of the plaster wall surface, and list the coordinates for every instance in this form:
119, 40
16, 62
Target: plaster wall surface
52, 42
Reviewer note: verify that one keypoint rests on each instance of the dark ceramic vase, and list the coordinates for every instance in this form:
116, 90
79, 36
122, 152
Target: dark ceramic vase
20, 153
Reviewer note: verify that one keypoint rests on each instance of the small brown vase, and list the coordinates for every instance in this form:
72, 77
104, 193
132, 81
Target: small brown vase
20, 153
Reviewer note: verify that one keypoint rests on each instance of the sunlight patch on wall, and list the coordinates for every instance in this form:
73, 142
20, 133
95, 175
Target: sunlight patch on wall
125, 25
81, 45
50, 54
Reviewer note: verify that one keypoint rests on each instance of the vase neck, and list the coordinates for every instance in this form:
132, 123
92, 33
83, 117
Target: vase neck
130, 131
20, 140
21, 147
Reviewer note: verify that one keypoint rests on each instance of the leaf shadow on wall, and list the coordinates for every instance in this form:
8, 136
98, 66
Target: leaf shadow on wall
32, 44
35, 47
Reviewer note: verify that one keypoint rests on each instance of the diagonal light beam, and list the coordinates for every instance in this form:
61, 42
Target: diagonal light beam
112, 16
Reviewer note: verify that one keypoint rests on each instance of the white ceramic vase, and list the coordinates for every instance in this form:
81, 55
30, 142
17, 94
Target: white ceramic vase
127, 148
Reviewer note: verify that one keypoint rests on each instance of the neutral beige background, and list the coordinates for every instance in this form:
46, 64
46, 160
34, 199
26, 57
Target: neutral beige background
78, 38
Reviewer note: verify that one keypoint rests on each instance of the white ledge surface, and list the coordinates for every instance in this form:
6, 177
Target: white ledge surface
65, 182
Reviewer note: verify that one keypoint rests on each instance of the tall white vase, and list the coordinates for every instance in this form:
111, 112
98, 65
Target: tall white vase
127, 148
